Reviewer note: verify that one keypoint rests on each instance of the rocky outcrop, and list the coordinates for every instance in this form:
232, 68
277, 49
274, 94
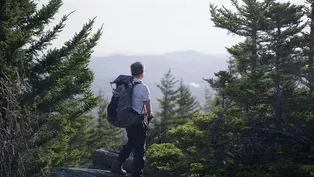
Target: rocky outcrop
102, 160
78, 172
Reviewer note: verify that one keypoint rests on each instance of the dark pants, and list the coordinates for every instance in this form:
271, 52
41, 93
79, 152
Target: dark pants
136, 141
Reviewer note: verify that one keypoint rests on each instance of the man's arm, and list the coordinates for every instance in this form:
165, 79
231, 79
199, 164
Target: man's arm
146, 101
148, 107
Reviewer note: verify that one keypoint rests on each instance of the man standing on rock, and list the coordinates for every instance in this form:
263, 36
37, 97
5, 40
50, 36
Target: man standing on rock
136, 134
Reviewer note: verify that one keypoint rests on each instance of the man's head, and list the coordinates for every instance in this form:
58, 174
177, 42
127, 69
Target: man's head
137, 70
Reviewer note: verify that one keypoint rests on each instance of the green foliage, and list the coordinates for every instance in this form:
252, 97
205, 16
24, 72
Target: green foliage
96, 133
261, 123
166, 159
53, 83
207, 149
101, 133
209, 100
187, 105
169, 91
202, 152
204, 144
177, 106
308, 48
164, 120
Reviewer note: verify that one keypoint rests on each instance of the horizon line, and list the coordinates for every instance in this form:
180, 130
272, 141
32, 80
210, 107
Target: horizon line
155, 54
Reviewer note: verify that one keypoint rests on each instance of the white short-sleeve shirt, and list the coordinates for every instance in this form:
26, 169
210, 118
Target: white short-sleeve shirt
141, 93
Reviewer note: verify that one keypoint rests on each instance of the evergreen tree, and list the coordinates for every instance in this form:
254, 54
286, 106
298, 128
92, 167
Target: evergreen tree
247, 21
266, 95
187, 105
209, 99
283, 62
97, 133
165, 118
57, 81
262, 119
102, 134
261, 93
308, 71
15, 129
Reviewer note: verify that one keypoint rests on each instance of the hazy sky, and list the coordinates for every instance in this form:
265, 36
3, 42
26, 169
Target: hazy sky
148, 26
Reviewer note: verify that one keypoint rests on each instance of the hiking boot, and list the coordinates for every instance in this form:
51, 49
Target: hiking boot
116, 167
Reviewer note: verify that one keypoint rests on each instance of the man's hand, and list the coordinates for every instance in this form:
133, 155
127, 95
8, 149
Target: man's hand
150, 117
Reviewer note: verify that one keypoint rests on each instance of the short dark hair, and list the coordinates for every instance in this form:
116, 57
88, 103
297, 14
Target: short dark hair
137, 68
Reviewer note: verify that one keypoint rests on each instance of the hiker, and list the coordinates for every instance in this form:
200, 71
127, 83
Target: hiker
136, 133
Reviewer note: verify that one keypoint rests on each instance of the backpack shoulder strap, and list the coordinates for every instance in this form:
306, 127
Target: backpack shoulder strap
139, 82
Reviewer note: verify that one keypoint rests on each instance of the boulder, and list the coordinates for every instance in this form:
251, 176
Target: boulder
103, 158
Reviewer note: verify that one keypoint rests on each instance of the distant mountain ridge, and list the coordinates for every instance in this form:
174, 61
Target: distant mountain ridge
191, 66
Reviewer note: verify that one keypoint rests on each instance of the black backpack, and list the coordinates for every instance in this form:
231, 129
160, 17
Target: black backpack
119, 111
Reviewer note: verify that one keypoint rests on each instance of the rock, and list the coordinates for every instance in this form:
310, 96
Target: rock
100, 167
79, 172
103, 158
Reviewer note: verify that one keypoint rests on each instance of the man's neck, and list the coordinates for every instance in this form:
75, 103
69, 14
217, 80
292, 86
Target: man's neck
138, 78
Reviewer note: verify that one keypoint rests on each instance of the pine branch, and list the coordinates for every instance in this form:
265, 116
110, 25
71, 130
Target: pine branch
44, 40
42, 17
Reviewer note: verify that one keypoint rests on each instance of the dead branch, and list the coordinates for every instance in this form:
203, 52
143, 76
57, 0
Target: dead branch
15, 130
